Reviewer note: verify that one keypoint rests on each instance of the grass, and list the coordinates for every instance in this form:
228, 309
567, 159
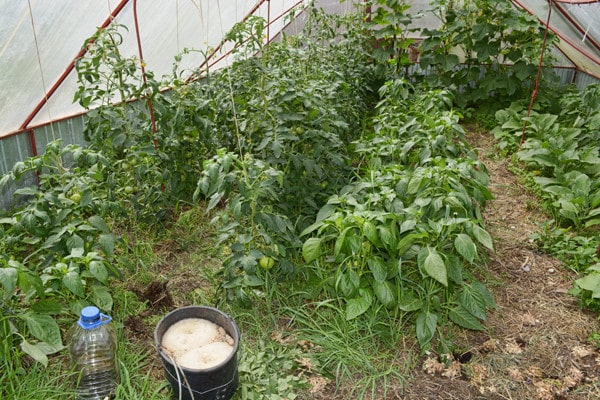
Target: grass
363, 358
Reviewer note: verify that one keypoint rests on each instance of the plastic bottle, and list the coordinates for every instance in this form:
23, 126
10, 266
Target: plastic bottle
92, 345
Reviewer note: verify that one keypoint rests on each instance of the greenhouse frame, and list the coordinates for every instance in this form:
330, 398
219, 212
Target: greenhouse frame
393, 199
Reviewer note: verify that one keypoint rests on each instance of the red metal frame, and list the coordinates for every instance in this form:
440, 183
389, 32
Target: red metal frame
563, 38
25, 127
577, 1
143, 67
575, 24
205, 63
62, 78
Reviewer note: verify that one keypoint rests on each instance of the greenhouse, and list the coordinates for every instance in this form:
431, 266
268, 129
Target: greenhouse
374, 199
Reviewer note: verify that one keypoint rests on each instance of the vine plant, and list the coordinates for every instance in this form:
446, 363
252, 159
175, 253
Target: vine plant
484, 49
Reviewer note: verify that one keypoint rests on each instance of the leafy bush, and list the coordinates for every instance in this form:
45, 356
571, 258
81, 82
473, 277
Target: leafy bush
562, 157
57, 249
285, 127
485, 51
402, 232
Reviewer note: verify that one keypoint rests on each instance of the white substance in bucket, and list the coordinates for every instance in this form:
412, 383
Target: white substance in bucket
207, 356
197, 343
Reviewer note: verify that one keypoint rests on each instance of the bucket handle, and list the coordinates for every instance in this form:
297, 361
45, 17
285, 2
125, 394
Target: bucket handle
177, 369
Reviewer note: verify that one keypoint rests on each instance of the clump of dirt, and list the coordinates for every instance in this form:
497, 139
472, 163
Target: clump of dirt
536, 346
156, 296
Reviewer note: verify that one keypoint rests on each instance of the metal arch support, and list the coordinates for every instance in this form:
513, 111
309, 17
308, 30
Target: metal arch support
64, 75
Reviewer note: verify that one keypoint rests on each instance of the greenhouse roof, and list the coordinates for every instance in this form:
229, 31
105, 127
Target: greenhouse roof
40, 40
576, 23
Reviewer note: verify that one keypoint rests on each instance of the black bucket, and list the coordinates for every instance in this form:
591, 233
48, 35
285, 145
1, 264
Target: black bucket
216, 383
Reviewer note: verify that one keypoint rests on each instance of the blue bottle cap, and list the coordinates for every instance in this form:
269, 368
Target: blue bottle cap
91, 317
89, 314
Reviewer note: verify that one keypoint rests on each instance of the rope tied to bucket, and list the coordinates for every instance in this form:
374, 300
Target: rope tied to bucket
178, 368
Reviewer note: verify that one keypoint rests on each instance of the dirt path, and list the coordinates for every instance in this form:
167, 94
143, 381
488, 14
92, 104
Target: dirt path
537, 346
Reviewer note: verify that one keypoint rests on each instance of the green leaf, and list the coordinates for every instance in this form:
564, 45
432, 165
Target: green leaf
582, 185
454, 269
432, 263
407, 241
252, 280
214, 200
472, 302
98, 223
100, 296
484, 293
8, 279
384, 291
29, 281
463, 318
47, 306
378, 268
483, 237
325, 212
72, 281
414, 184
35, 352
349, 282
387, 236
590, 282
341, 243
370, 232
409, 301
99, 271
107, 243
592, 222
407, 225
465, 247
426, 325
311, 249
44, 328
358, 306
76, 243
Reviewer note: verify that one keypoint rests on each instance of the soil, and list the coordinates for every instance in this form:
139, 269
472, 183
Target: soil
536, 345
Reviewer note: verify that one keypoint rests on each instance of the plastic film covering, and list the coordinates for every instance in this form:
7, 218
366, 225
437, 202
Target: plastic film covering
40, 39
578, 28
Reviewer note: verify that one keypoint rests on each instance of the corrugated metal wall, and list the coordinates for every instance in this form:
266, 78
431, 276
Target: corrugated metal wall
18, 148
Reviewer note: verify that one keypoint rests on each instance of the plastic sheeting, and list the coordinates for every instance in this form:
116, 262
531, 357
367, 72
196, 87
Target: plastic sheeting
39, 39
577, 25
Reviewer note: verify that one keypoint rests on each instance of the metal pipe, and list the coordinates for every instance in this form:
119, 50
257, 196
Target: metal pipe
565, 39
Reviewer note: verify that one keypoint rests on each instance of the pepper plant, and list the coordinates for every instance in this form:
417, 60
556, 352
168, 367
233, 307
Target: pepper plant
403, 233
